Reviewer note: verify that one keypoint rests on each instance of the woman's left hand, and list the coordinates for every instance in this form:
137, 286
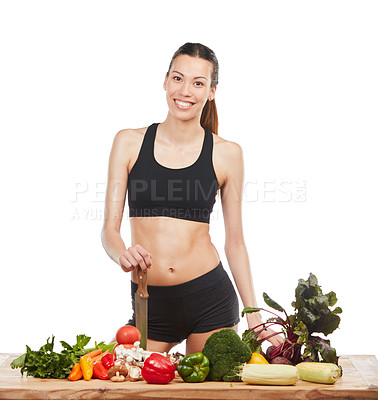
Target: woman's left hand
254, 320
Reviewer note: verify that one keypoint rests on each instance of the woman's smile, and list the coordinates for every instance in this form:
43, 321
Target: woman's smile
183, 105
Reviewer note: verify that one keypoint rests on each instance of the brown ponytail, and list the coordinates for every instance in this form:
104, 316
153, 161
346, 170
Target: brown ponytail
209, 116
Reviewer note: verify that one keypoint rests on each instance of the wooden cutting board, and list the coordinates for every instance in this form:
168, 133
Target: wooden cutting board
359, 381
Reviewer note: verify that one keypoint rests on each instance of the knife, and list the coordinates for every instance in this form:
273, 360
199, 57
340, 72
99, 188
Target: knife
141, 307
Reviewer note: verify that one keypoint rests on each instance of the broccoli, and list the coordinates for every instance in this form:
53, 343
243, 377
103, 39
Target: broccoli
226, 352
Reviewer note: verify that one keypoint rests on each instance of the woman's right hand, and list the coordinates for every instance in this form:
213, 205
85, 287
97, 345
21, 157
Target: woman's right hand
134, 256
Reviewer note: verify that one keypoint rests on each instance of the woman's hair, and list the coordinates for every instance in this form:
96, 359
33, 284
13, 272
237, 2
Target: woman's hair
209, 116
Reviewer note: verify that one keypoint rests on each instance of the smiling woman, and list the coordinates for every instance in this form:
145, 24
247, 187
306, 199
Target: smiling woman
205, 79
171, 173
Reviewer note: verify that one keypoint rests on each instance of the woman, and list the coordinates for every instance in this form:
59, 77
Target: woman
172, 172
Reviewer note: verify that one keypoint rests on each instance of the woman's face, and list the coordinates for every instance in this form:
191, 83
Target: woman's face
188, 86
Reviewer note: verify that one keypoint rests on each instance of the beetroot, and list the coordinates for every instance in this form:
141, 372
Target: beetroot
312, 314
281, 360
269, 351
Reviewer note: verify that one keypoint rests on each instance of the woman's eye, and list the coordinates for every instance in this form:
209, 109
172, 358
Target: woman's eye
176, 77
200, 83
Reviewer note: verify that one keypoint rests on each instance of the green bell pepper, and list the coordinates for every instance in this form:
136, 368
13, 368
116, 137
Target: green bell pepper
194, 368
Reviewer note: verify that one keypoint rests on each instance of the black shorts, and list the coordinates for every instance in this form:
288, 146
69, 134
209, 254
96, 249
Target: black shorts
201, 305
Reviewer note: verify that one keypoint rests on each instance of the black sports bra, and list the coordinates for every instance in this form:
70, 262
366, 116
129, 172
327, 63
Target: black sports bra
184, 193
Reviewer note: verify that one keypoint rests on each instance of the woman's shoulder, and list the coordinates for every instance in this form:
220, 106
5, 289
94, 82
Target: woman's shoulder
227, 158
130, 135
127, 144
226, 148
129, 140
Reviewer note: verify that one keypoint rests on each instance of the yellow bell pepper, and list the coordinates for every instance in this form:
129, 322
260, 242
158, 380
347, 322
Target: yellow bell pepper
86, 366
257, 359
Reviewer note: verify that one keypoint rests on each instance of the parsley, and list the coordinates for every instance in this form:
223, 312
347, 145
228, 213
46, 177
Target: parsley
46, 363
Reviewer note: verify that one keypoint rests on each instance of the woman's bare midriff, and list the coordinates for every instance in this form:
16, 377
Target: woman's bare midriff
181, 250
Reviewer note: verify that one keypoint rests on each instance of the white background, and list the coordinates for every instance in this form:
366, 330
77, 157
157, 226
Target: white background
297, 90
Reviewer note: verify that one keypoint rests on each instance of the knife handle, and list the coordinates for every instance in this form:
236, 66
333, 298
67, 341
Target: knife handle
142, 284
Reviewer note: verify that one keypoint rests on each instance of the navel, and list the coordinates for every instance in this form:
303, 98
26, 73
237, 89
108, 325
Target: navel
171, 269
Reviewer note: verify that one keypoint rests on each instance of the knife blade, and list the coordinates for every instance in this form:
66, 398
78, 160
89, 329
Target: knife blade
141, 307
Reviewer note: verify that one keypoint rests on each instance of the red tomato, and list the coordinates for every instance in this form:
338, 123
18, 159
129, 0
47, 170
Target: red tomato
127, 334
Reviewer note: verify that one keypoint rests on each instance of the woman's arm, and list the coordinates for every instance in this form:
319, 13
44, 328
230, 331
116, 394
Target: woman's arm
235, 248
115, 198
125, 144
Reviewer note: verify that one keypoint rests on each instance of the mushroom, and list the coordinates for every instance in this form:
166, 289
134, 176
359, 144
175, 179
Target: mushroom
117, 377
175, 358
135, 373
133, 362
118, 373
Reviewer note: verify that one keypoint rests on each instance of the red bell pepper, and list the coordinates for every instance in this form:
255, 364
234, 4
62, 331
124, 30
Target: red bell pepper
99, 371
108, 360
158, 369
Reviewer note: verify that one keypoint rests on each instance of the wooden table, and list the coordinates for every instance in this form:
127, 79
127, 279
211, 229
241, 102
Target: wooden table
360, 381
